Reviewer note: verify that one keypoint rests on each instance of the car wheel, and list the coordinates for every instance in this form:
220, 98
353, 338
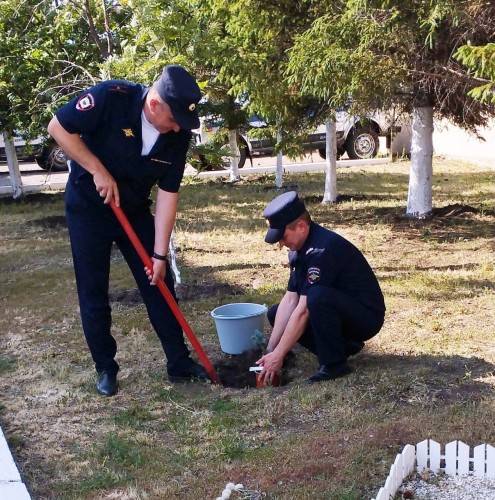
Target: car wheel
53, 158
323, 153
362, 143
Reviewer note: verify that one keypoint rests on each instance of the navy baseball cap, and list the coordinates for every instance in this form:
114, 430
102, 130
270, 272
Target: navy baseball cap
283, 210
179, 90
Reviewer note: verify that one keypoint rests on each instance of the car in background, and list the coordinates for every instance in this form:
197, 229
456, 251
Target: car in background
44, 151
356, 136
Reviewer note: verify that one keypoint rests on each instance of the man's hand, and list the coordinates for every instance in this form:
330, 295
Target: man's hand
75, 148
272, 364
158, 272
106, 186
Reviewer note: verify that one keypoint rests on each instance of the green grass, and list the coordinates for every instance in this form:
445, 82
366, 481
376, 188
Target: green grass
428, 374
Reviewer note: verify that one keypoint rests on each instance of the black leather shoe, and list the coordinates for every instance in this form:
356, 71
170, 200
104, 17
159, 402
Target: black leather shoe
188, 371
352, 347
330, 372
107, 384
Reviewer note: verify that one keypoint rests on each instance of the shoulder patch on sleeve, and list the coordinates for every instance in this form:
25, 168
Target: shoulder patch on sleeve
313, 275
85, 102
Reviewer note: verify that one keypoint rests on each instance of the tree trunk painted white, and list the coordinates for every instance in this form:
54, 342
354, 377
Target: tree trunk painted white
279, 171
419, 198
330, 194
234, 158
13, 164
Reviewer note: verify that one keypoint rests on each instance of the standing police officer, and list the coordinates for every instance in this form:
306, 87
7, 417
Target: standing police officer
123, 138
333, 301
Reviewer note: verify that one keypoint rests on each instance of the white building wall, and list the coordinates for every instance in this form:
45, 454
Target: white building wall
450, 140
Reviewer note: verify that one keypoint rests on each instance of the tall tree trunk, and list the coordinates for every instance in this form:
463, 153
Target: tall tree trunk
419, 198
330, 194
13, 164
108, 31
234, 156
93, 31
279, 171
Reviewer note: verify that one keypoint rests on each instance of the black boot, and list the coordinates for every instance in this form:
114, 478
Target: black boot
107, 384
188, 370
330, 372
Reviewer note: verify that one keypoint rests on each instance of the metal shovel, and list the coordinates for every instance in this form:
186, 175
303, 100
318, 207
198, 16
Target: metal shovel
210, 370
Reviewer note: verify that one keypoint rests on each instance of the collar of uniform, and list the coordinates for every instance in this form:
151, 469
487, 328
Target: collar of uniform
302, 251
137, 107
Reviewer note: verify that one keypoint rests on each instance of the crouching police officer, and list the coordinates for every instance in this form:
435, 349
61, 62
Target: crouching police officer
123, 138
333, 301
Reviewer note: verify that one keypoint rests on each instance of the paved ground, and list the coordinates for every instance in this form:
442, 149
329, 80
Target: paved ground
34, 179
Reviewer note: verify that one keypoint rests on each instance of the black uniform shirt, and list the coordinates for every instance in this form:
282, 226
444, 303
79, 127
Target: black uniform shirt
108, 118
328, 259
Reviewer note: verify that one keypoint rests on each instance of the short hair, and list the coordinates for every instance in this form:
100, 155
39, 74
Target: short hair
153, 93
305, 216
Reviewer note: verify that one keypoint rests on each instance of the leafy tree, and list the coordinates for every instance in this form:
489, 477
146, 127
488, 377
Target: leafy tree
49, 51
388, 50
248, 43
480, 62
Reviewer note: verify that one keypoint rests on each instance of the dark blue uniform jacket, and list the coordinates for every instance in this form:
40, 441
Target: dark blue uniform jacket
108, 118
330, 260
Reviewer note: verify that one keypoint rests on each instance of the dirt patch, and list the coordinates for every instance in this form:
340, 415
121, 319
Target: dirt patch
41, 198
49, 222
195, 291
454, 210
233, 371
326, 458
185, 292
130, 297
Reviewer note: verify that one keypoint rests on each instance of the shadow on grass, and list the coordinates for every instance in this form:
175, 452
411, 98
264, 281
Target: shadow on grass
450, 222
33, 198
428, 379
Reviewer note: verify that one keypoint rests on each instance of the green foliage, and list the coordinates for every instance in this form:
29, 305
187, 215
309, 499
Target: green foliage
480, 60
101, 479
343, 54
133, 417
7, 364
49, 52
122, 452
215, 154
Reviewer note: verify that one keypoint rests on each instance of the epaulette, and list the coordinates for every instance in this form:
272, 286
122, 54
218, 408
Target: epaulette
118, 87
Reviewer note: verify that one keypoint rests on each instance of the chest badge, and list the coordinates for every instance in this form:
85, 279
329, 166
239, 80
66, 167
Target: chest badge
313, 275
128, 132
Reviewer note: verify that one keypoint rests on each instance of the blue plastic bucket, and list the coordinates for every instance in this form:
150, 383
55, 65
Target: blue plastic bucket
236, 324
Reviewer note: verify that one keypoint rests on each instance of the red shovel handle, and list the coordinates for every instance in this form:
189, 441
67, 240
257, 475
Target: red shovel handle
166, 293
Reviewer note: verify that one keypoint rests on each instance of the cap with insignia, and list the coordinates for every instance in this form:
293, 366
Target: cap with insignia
283, 210
179, 90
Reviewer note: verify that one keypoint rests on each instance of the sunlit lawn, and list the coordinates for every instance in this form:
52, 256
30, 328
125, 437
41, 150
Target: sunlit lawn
428, 374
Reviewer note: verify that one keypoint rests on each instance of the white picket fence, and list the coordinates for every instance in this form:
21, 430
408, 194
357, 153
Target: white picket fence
457, 460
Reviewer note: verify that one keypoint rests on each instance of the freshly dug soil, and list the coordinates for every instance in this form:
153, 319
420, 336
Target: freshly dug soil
233, 371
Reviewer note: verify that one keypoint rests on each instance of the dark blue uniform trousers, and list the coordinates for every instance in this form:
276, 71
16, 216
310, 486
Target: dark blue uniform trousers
334, 319
91, 242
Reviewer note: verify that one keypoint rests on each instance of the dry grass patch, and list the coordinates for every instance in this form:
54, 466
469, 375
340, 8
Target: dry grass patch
430, 373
